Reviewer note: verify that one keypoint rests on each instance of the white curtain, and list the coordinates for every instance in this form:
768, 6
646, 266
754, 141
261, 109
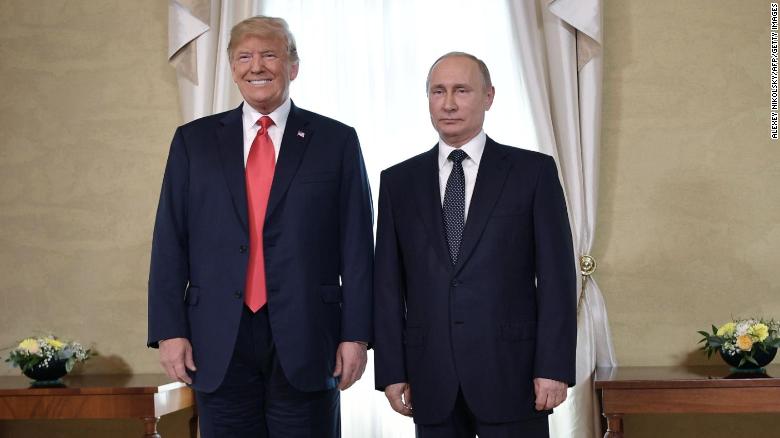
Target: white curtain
561, 40
365, 63
198, 34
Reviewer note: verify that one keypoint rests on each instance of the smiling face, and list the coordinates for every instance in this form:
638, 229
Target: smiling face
457, 99
263, 71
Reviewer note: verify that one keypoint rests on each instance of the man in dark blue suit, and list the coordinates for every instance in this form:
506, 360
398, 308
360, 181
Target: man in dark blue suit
261, 272
475, 288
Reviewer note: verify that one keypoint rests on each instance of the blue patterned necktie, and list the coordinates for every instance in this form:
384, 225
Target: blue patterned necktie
454, 207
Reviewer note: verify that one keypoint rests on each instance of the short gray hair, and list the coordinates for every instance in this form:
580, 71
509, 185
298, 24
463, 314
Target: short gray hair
481, 64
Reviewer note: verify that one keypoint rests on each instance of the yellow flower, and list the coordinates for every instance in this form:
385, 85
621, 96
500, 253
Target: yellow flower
744, 343
56, 343
759, 331
727, 329
30, 345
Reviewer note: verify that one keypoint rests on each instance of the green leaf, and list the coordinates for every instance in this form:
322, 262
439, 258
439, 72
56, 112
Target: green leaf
742, 362
69, 363
714, 330
31, 362
703, 333
751, 360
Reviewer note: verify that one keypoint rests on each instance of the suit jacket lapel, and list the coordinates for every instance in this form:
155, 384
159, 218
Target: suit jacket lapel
231, 153
294, 141
493, 170
429, 203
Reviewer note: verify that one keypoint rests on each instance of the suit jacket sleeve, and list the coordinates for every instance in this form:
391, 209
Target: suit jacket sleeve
357, 241
169, 271
389, 301
556, 291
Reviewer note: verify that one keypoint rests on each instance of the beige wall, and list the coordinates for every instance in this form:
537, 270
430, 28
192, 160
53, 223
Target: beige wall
689, 215
87, 109
688, 228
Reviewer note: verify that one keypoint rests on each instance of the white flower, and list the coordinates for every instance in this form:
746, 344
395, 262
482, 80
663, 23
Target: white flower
743, 327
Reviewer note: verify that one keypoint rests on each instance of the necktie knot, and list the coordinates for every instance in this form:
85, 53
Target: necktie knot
265, 122
457, 156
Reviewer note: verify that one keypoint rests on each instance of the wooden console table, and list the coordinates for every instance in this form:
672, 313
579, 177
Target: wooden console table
143, 396
675, 390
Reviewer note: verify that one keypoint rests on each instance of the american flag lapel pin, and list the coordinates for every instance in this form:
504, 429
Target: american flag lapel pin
301, 134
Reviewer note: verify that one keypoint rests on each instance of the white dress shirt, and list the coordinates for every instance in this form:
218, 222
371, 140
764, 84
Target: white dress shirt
275, 131
473, 149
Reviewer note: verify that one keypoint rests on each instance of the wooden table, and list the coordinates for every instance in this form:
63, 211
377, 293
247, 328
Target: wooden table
674, 390
143, 396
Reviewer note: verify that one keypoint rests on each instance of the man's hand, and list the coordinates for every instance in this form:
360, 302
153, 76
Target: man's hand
400, 397
549, 393
176, 358
350, 363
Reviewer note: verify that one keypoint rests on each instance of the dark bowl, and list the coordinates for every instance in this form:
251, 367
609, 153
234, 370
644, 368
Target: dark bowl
762, 357
52, 372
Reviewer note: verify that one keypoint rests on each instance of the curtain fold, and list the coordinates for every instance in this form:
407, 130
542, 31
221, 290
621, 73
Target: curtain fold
560, 42
198, 35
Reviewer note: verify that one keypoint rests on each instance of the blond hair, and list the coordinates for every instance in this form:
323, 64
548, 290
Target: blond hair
263, 27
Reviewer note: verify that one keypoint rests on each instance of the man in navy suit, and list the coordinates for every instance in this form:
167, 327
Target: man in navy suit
474, 283
260, 288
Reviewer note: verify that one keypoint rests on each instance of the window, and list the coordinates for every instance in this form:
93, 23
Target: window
365, 63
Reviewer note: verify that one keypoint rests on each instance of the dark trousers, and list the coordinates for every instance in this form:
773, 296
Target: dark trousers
462, 424
256, 401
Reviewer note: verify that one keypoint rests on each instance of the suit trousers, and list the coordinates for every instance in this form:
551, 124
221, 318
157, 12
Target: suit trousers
255, 400
461, 423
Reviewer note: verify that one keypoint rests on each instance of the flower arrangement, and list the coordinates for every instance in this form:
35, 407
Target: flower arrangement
44, 351
743, 338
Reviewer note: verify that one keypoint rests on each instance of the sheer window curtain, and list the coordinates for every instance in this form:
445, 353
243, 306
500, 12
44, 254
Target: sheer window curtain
562, 42
363, 63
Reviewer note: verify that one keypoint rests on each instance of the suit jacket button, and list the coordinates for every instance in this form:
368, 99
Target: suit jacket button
242, 249
455, 283
237, 294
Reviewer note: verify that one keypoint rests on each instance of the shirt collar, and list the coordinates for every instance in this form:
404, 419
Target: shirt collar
473, 148
279, 115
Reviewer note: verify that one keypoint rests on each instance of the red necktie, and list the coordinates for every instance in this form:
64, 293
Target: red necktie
259, 176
